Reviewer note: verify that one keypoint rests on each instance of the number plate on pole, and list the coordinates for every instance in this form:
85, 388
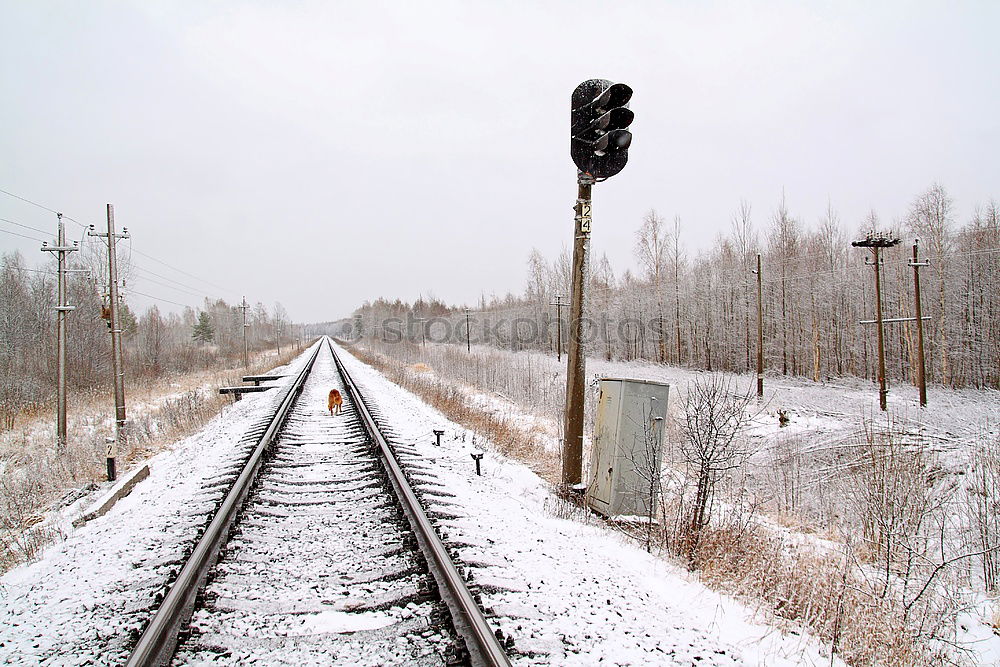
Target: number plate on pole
585, 217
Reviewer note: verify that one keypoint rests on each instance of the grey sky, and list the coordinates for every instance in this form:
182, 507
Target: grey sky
324, 153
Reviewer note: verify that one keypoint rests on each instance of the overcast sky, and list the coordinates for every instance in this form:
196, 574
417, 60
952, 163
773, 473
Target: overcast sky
324, 153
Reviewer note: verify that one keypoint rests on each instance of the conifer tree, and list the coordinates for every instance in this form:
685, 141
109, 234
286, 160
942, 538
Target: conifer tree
203, 331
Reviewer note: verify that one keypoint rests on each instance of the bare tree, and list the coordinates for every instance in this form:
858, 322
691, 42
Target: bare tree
891, 498
784, 245
831, 244
812, 298
983, 506
151, 340
716, 415
651, 251
677, 260
602, 288
745, 242
931, 219
537, 276
644, 458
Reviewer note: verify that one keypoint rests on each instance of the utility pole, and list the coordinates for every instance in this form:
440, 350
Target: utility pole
876, 242
423, 333
117, 363
246, 355
921, 369
468, 333
61, 309
760, 331
576, 358
559, 306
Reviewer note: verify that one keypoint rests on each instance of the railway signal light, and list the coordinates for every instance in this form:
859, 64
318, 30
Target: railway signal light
599, 143
599, 127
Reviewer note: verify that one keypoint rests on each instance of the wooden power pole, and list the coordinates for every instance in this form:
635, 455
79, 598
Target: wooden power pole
117, 362
468, 332
61, 309
760, 331
559, 306
246, 355
876, 242
921, 369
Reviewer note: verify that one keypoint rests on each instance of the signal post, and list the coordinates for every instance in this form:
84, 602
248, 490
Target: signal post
599, 148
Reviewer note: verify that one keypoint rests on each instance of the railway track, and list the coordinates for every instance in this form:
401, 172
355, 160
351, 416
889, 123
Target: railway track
320, 553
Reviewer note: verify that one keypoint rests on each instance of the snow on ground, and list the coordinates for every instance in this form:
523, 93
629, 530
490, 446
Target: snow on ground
825, 415
824, 411
829, 413
79, 602
572, 592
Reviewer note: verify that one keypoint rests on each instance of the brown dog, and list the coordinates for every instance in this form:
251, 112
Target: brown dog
335, 402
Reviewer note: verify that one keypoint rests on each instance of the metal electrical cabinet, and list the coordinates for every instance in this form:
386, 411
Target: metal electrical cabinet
627, 447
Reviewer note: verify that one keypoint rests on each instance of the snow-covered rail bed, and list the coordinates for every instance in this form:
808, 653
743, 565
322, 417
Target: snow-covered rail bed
321, 567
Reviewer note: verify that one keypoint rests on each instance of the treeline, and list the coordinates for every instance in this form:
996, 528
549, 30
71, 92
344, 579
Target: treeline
700, 310
155, 344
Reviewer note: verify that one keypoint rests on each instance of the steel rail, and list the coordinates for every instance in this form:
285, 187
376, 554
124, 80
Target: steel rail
484, 648
158, 642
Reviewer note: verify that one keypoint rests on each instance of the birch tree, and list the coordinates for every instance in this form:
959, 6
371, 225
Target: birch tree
651, 252
931, 219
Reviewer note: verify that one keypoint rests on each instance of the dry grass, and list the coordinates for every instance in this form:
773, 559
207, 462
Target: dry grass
814, 589
35, 478
511, 438
793, 581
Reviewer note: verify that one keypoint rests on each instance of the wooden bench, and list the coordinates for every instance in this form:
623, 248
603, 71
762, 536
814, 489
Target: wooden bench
238, 392
257, 379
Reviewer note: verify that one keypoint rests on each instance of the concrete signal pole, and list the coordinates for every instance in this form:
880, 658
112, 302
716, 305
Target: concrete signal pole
61, 309
876, 242
117, 362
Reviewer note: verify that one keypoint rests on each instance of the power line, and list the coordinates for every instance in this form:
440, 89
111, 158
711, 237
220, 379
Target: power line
190, 275
23, 236
21, 224
41, 206
72, 219
176, 282
157, 282
156, 298
86, 226
22, 268
33, 203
